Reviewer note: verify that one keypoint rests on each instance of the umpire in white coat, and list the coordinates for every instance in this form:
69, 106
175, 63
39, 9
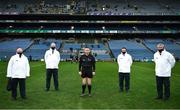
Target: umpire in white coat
124, 62
52, 59
18, 70
164, 62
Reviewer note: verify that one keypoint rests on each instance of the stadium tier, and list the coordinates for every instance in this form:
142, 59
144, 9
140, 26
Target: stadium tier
138, 51
8, 46
170, 45
142, 49
75, 49
38, 48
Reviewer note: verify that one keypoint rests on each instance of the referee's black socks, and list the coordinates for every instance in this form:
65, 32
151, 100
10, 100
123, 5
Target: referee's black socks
89, 89
83, 88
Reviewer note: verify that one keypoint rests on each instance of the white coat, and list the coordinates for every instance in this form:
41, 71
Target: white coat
124, 63
163, 63
18, 67
52, 59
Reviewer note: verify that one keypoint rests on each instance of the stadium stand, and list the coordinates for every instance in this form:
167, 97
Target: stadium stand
138, 51
8, 46
170, 46
92, 7
35, 48
71, 50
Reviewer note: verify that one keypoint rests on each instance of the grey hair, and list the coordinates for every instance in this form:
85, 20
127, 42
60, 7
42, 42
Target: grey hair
160, 44
53, 44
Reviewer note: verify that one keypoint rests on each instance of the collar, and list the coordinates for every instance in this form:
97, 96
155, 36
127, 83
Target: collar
52, 49
162, 52
17, 55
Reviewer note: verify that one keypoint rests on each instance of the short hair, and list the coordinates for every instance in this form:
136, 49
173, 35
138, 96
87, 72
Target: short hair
87, 48
19, 49
123, 48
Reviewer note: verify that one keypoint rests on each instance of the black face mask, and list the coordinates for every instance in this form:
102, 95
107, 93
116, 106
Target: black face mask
20, 54
52, 48
160, 51
123, 52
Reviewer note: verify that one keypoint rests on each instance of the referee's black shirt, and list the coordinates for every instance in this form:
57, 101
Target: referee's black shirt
87, 63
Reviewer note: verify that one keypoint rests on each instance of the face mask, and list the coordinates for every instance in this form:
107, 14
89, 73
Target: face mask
123, 52
20, 54
52, 48
160, 51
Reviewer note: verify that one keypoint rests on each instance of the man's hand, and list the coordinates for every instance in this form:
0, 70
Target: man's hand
94, 73
80, 73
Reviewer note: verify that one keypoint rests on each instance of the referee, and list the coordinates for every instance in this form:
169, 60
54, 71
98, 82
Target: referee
86, 70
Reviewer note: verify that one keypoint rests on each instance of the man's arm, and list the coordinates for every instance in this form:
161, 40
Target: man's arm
130, 58
118, 59
45, 56
59, 57
80, 63
94, 64
27, 68
154, 58
9, 68
172, 60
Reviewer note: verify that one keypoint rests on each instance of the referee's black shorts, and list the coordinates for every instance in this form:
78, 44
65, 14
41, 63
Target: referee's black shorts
87, 74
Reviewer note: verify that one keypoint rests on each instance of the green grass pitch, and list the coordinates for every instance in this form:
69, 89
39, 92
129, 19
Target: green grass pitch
105, 90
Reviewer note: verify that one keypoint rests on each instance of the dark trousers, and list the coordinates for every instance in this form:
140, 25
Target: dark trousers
163, 82
22, 87
49, 74
122, 77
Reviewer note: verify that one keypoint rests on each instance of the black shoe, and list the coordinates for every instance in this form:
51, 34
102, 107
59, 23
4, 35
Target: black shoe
47, 90
157, 98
